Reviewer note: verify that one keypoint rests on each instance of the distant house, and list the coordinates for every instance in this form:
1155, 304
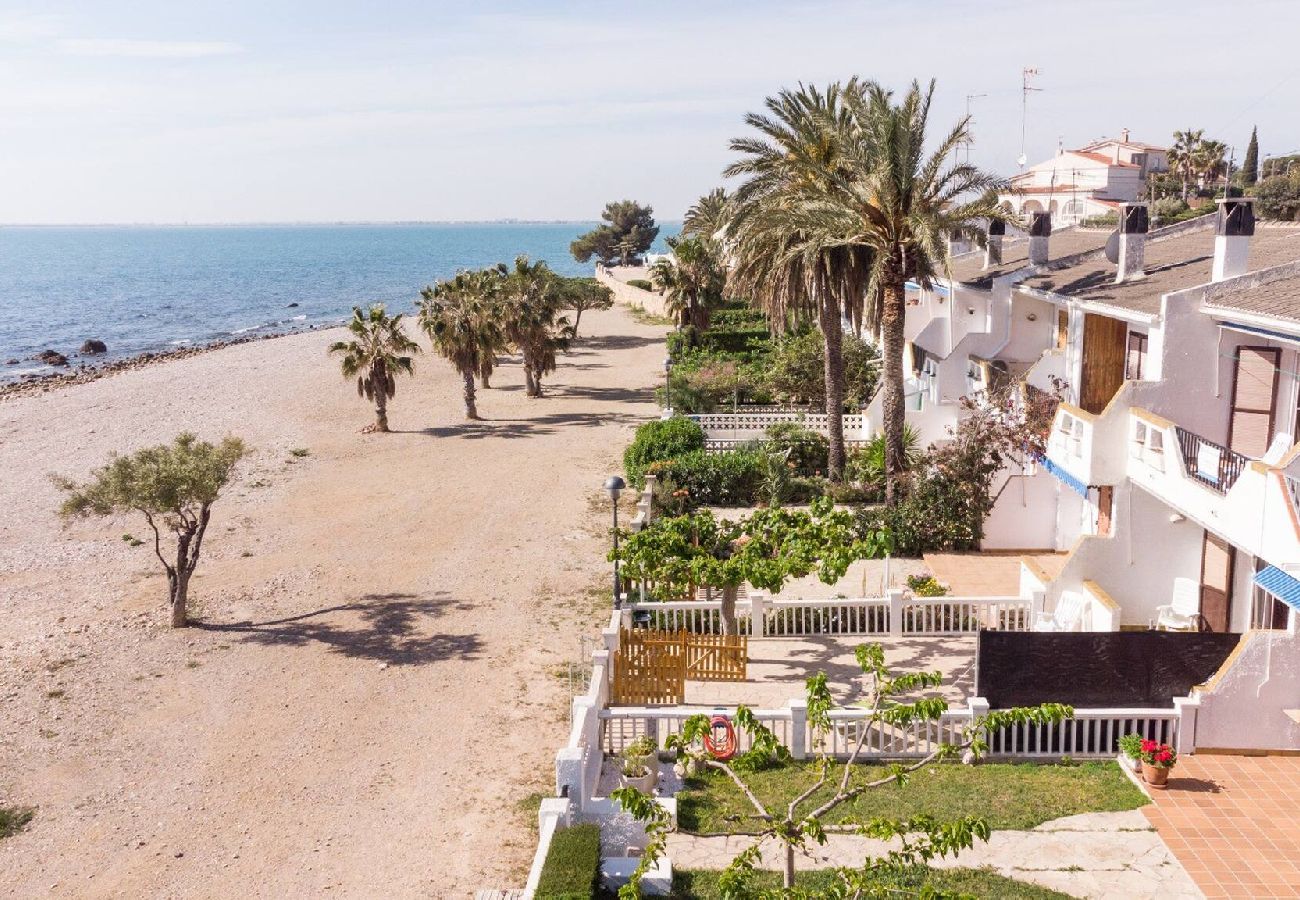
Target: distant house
1090, 181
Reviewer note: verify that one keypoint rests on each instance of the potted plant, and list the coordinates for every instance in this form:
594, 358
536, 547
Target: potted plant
1130, 748
640, 767
1157, 760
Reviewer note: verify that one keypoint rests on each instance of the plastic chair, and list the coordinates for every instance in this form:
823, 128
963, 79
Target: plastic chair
1184, 612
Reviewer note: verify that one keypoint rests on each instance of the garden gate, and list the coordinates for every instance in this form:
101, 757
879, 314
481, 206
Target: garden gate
651, 667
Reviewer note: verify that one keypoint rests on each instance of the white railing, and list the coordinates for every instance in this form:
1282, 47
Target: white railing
756, 421
897, 614
1089, 734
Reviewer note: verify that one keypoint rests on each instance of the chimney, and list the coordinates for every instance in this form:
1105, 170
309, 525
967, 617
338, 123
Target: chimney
1040, 229
1123, 135
993, 247
1235, 225
1133, 222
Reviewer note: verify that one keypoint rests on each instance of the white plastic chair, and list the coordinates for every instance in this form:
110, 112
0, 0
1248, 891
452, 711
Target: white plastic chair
1067, 616
1184, 612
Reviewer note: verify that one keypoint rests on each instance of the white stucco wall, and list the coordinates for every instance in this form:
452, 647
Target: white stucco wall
1024, 517
1245, 709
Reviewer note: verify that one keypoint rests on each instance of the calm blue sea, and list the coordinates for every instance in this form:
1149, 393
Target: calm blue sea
144, 289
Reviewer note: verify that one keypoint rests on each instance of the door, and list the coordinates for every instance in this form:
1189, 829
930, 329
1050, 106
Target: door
1104, 345
1105, 505
1217, 557
1254, 390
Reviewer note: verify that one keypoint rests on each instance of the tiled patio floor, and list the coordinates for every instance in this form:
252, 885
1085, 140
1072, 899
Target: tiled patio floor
988, 574
1234, 823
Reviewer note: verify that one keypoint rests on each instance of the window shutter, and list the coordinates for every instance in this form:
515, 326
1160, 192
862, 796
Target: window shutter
1253, 391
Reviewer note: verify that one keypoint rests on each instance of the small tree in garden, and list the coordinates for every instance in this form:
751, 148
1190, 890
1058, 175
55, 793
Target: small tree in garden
377, 351
765, 549
173, 486
805, 820
582, 294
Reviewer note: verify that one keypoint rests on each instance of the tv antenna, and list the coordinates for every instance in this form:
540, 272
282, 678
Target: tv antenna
967, 142
1025, 89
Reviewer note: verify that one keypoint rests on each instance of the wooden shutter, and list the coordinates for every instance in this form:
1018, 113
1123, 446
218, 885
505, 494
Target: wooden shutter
1217, 557
1254, 389
1062, 328
1136, 358
1103, 360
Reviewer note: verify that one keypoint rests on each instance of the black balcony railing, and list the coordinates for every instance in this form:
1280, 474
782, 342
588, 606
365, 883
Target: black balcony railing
1213, 465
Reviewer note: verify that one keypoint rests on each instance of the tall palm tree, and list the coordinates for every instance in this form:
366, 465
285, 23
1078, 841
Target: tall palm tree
532, 320
911, 205
1210, 162
707, 216
692, 279
378, 350
789, 237
1183, 156
461, 315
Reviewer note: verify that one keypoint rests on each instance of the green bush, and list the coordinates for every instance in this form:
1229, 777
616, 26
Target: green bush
797, 373
738, 317
867, 466
733, 478
719, 340
808, 450
926, 586
572, 867
1278, 197
641, 283
657, 441
1106, 220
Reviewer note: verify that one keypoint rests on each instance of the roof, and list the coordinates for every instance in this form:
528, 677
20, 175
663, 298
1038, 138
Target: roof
969, 267
1173, 263
1138, 144
1102, 158
1278, 299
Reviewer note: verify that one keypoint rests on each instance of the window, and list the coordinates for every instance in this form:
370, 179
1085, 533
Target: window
1136, 357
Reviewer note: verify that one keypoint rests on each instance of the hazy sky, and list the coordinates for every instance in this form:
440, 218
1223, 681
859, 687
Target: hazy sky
144, 111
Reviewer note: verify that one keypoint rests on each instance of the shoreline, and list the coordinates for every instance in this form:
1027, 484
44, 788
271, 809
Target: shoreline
84, 373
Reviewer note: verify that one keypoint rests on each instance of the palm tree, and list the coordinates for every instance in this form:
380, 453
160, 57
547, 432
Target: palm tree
533, 299
1183, 156
378, 350
1209, 161
691, 280
790, 239
708, 216
911, 206
461, 316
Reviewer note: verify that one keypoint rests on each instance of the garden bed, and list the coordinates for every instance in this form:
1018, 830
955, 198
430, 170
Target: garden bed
1010, 796
702, 884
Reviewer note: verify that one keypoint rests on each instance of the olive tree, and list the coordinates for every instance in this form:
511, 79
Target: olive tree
805, 819
765, 549
173, 486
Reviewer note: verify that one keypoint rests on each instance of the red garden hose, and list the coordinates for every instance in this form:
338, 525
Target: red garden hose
721, 747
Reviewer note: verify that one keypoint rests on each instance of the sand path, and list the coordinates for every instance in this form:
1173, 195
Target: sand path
373, 690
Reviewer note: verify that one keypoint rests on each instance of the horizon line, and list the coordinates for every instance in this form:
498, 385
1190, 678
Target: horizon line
304, 222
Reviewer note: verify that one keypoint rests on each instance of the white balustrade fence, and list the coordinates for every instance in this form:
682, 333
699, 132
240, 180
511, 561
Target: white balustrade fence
897, 613
1089, 734
724, 430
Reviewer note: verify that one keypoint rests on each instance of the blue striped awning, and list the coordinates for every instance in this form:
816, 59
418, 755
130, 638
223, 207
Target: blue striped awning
1065, 477
1281, 585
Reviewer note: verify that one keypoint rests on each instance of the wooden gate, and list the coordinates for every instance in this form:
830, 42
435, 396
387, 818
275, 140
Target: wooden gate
651, 667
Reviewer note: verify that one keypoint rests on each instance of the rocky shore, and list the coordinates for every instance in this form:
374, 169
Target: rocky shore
84, 372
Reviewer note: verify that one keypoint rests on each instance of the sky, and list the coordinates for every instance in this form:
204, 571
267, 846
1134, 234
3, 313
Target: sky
267, 111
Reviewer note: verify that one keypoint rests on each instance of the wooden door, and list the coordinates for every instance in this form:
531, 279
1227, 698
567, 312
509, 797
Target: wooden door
1105, 507
1104, 345
1217, 558
1254, 390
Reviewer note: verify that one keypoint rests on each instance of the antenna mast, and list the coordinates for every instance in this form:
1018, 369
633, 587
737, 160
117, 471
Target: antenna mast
1025, 90
967, 142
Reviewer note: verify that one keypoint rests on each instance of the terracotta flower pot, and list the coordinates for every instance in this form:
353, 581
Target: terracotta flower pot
1156, 776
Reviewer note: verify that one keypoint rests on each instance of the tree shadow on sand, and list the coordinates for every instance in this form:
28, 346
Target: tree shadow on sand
522, 428
392, 629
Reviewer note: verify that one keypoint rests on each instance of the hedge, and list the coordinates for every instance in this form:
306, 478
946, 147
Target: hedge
660, 440
572, 867
732, 478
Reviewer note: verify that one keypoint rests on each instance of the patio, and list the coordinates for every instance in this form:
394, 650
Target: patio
779, 668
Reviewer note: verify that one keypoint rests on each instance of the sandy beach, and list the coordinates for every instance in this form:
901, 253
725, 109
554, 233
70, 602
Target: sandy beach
372, 691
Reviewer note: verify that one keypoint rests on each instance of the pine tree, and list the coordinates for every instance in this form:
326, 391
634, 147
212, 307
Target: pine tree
1250, 166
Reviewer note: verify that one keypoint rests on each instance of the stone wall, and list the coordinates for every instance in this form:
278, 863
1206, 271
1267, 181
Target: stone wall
616, 278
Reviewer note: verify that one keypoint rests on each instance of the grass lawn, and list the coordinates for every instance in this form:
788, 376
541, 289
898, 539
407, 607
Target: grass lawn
1010, 796
13, 818
702, 884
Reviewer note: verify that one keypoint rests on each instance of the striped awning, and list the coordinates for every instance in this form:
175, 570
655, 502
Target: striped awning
1281, 585
1065, 477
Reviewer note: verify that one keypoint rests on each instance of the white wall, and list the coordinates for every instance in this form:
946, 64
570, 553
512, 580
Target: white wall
650, 301
1024, 517
1245, 708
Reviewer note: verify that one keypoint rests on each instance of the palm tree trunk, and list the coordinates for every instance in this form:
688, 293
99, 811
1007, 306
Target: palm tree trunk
530, 388
381, 411
471, 411
833, 341
893, 403
537, 382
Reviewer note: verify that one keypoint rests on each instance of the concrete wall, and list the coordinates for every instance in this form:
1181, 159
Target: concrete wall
1024, 517
1244, 706
616, 279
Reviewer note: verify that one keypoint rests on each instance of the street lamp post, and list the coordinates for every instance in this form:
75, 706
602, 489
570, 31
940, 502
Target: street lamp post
614, 486
668, 383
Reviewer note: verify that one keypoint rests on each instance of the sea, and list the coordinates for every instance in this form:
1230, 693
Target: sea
154, 288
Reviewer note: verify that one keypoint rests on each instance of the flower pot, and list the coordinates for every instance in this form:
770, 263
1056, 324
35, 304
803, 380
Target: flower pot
643, 783
1156, 776
1133, 764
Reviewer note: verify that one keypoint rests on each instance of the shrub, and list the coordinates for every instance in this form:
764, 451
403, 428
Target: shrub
719, 340
867, 466
926, 586
808, 450
641, 283
572, 867
1106, 220
797, 374
658, 441
1279, 197
732, 478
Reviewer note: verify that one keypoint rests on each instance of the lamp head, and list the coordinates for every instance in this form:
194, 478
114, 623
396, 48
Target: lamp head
614, 486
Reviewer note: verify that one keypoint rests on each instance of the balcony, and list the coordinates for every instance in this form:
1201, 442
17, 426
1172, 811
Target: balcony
1254, 505
1089, 446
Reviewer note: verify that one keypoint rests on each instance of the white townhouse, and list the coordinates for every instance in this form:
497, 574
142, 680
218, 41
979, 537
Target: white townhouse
1090, 181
